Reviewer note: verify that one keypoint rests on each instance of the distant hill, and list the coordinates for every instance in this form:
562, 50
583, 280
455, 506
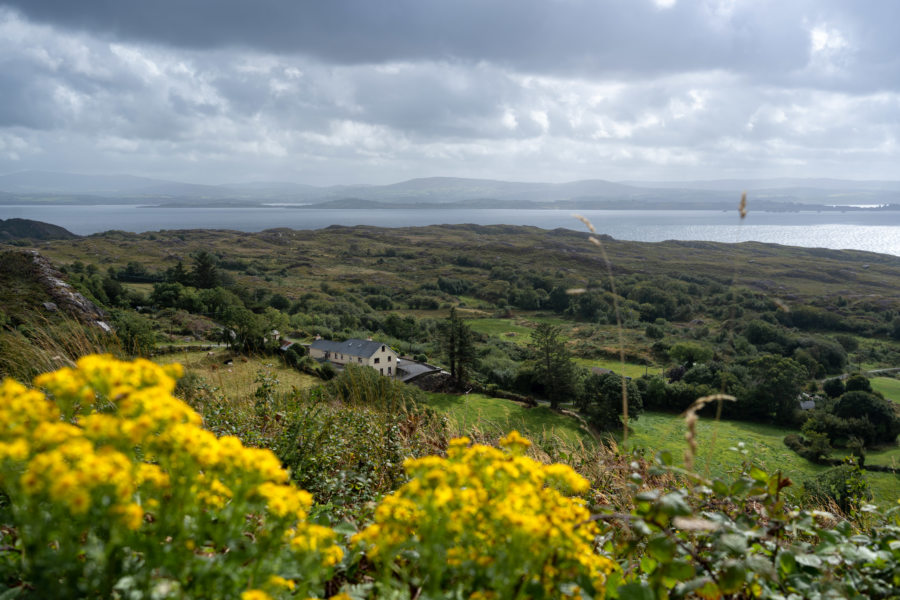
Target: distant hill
44, 187
15, 229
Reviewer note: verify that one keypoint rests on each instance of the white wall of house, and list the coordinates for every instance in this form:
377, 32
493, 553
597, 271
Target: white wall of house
384, 361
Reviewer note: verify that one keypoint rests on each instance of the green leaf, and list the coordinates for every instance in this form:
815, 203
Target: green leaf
734, 543
732, 577
759, 475
636, 591
787, 564
673, 505
809, 560
661, 548
739, 487
679, 569
720, 487
345, 528
648, 565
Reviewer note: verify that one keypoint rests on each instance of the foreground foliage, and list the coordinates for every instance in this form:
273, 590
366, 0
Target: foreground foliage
484, 520
116, 489
113, 489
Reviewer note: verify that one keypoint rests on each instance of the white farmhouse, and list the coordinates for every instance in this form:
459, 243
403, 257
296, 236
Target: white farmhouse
357, 352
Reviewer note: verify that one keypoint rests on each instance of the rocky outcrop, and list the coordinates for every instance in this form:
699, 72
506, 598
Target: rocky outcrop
62, 296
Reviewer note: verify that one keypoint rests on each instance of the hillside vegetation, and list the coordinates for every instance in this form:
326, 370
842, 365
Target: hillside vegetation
760, 322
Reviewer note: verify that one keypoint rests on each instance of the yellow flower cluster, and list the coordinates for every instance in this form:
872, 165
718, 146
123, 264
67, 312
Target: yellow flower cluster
495, 518
110, 440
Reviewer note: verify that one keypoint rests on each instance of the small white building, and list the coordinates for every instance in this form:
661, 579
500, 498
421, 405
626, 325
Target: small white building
357, 352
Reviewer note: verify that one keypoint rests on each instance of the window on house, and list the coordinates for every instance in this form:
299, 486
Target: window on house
382, 371
389, 359
377, 360
389, 370
359, 360
382, 348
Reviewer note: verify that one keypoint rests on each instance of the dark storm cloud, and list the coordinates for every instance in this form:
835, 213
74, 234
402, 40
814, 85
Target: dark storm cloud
213, 90
564, 36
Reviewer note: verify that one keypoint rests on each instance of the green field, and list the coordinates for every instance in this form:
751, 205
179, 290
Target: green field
762, 443
508, 329
496, 415
888, 386
629, 369
720, 443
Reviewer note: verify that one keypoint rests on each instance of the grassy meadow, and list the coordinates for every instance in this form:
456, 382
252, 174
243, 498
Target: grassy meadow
238, 380
470, 412
724, 446
888, 386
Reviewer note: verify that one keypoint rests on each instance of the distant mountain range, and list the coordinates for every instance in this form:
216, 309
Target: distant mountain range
45, 187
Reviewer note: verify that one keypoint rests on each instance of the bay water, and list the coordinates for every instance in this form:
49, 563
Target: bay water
874, 231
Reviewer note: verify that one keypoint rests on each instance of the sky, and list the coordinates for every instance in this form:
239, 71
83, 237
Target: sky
365, 91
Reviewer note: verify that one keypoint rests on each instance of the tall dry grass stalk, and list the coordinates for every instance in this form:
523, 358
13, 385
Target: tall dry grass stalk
690, 420
612, 285
742, 212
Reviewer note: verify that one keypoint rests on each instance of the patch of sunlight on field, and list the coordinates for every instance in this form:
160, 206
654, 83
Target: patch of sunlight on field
486, 414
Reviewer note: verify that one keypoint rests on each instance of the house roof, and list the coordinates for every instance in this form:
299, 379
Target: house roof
351, 347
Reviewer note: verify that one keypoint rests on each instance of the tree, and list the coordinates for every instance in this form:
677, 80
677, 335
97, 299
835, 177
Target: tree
858, 383
279, 302
775, 383
600, 400
205, 273
554, 368
135, 332
688, 353
178, 274
833, 387
459, 345
880, 413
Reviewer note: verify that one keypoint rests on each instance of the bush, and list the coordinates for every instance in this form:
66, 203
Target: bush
486, 519
833, 387
858, 383
116, 490
845, 485
880, 413
346, 441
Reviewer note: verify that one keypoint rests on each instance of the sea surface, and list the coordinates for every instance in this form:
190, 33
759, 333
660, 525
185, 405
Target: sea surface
875, 231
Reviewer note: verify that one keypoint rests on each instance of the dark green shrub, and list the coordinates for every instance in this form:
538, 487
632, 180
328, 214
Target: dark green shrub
858, 383
833, 387
346, 441
880, 413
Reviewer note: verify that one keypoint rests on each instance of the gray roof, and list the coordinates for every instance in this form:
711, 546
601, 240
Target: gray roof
351, 347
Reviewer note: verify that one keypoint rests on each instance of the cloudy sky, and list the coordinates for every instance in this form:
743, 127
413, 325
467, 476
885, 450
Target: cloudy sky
353, 91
